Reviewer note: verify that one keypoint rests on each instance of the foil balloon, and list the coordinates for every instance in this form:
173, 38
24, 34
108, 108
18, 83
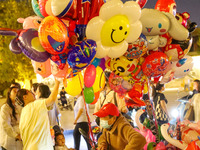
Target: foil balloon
42, 68
81, 55
155, 64
178, 49
166, 6
122, 66
118, 84
185, 68
182, 18
42, 5
53, 35
31, 47
64, 8
57, 72
48, 8
36, 9
14, 47
158, 23
137, 48
96, 62
117, 25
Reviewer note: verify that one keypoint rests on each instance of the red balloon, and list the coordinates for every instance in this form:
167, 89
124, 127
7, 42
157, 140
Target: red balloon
166, 6
155, 64
96, 97
42, 4
89, 76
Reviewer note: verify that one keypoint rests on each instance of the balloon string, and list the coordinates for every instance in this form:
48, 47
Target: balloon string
89, 122
156, 123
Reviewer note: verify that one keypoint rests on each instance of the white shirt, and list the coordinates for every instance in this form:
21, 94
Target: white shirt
9, 128
109, 99
80, 104
34, 126
53, 115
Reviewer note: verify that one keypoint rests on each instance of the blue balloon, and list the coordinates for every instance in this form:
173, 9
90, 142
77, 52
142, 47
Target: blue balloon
81, 55
96, 62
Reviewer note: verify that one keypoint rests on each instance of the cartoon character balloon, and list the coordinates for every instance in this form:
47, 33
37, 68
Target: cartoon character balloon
30, 22
155, 64
156, 23
117, 25
81, 55
166, 6
122, 66
178, 49
42, 68
116, 83
31, 47
185, 68
55, 42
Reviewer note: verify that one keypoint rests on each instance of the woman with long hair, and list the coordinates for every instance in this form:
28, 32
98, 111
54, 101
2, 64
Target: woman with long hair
10, 115
160, 102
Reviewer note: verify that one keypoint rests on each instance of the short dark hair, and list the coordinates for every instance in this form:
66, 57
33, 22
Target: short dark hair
198, 85
19, 97
63, 88
44, 90
57, 134
35, 86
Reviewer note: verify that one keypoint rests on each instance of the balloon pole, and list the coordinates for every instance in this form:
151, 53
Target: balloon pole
89, 122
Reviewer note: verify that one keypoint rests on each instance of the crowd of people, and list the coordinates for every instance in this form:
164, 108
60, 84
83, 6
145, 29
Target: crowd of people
28, 115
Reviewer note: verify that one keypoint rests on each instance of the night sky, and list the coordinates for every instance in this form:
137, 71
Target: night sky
190, 6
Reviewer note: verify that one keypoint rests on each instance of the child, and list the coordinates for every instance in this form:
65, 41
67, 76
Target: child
60, 142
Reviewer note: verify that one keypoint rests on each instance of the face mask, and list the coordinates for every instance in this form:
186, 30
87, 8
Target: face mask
104, 124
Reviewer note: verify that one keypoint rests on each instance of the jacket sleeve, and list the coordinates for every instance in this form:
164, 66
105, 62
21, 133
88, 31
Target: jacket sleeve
6, 122
135, 139
102, 139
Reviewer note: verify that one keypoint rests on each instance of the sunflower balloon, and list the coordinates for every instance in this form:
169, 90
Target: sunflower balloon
117, 25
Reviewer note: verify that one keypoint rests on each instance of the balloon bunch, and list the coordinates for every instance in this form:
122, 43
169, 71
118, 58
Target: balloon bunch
77, 40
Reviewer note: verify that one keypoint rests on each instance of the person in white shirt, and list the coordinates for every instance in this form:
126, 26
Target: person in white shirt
34, 123
107, 96
81, 121
42, 92
10, 114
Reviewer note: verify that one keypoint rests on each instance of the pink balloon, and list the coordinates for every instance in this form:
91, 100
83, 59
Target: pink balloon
56, 72
42, 68
89, 76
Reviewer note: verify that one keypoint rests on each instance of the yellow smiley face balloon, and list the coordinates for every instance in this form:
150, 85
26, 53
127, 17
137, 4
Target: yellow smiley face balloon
115, 30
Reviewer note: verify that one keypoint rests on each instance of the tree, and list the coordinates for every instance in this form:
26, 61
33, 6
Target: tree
13, 66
